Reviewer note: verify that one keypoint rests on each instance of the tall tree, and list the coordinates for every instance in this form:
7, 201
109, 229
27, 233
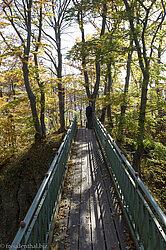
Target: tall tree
80, 8
107, 89
57, 21
142, 18
19, 16
126, 87
158, 65
37, 45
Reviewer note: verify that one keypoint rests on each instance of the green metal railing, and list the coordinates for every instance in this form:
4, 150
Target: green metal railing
34, 230
139, 206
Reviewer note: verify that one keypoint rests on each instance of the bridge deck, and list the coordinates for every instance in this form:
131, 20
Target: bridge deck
89, 215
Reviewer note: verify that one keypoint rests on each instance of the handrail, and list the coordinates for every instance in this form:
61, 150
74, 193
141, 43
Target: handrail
135, 198
34, 230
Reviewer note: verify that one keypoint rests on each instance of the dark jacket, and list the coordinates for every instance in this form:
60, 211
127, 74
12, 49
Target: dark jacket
89, 112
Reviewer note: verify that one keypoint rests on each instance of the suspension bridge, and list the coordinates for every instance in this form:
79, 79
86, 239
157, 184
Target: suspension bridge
105, 199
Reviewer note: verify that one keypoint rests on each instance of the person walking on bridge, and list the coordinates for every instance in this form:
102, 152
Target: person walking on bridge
89, 115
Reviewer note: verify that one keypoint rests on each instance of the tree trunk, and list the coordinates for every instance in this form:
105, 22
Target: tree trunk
124, 102
161, 112
61, 107
109, 90
1, 94
42, 97
92, 96
61, 96
57, 22
61, 93
141, 123
96, 87
86, 77
97, 83
32, 99
102, 118
103, 112
42, 111
40, 83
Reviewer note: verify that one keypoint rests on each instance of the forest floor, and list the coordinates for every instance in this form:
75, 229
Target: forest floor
20, 178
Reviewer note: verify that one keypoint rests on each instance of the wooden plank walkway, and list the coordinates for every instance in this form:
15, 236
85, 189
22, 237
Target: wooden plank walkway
89, 215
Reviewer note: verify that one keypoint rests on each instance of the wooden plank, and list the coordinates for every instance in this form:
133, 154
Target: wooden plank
93, 218
108, 223
74, 219
115, 210
98, 239
60, 230
62, 238
110, 236
85, 223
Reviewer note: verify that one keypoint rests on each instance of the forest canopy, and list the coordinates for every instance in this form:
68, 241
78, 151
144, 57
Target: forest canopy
118, 61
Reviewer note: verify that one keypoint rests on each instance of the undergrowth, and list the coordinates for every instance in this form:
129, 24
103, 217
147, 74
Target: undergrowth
30, 163
153, 164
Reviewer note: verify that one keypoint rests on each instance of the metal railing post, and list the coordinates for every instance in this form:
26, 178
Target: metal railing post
139, 205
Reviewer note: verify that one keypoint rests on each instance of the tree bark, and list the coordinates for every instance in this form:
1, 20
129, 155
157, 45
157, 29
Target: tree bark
86, 77
1, 94
161, 112
92, 96
32, 99
141, 126
42, 97
61, 93
126, 87
25, 40
103, 112
109, 90
56, 22
144, 65
40, 83
97, 64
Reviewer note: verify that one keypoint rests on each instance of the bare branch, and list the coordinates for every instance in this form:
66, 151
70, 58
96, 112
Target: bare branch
10, 19
143, 36
21, 14
25, 12
49, 36
52, 59
156, 32
163, 6
52, 71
